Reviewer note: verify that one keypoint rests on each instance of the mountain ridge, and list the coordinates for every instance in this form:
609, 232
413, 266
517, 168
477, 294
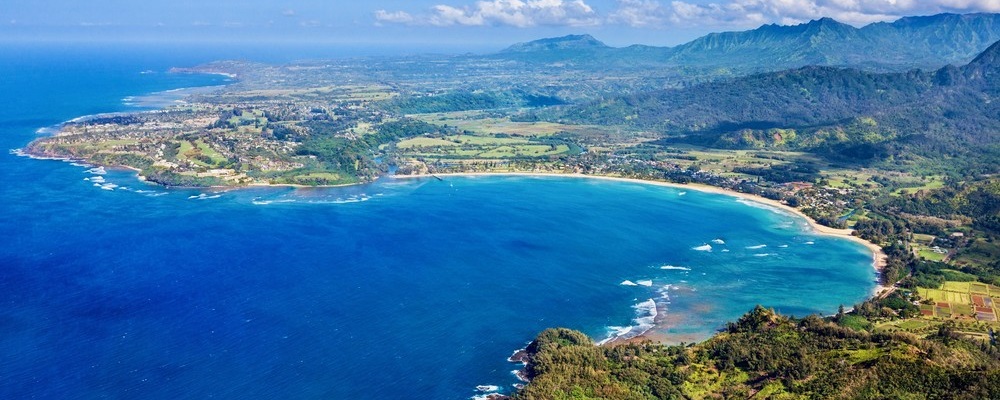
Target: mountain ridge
920, 41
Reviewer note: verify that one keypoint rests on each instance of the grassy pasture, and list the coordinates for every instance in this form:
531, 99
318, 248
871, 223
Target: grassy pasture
484, 147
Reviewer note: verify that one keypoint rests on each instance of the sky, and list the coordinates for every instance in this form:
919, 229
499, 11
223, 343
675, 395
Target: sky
471, 25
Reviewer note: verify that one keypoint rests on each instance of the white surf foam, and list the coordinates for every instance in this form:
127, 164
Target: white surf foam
628, 283
645, 318
646, 283
810, 243
759, 246
266, 202
784, 246
718, 241
673, 268
768, 207
97, 171
763, 255
487, 388
704, 247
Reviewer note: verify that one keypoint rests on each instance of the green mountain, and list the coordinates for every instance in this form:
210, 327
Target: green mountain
570, 43
840, 112
927, 42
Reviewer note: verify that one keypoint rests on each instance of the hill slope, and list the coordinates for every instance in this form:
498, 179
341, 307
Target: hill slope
845, 112
765, 355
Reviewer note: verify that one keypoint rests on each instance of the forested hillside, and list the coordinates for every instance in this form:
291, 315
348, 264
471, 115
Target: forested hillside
765, 355
846, 113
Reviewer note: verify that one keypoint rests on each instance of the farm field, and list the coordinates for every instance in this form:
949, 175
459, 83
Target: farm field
972, 306
962, 300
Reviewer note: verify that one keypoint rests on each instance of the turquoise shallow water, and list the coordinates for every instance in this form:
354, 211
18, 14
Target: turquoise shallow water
379, 291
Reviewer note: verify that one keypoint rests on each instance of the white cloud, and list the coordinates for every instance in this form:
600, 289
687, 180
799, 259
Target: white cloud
518, 13
638, 13
749, 13
677, 13
397, 17
288, 13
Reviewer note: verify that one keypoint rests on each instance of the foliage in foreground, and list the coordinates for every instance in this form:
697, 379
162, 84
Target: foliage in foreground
765, 355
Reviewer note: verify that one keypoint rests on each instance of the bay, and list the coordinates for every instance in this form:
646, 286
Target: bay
395, 289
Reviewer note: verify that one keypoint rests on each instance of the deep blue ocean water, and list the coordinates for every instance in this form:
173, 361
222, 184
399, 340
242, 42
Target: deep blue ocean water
398, 289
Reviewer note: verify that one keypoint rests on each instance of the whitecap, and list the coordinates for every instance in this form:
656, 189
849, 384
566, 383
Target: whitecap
759, 246
204, 196
95, 179
97, 171
259, 202
682, 193
671, 267
718, 241
109, 186
762, 255
705, 247
810, 243
784, 246
646, 283
725, 250
628, 283
665, 291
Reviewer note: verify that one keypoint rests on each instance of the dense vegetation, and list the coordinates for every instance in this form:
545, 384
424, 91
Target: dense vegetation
843, 114
766, 355
357, 156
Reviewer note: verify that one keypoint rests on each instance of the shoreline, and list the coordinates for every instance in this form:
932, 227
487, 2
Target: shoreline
879, 258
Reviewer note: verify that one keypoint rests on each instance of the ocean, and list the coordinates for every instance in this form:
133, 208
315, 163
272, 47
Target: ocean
113, 288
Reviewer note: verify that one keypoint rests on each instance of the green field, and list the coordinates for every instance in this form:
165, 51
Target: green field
200, 153
928, 254
478, 147
934, 182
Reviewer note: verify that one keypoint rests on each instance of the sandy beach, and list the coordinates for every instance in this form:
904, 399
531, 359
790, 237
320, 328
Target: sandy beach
878, 256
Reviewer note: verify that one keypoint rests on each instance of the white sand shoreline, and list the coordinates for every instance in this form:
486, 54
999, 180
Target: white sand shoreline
878, 256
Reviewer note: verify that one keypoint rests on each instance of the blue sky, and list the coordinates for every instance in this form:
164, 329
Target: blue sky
469, 24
